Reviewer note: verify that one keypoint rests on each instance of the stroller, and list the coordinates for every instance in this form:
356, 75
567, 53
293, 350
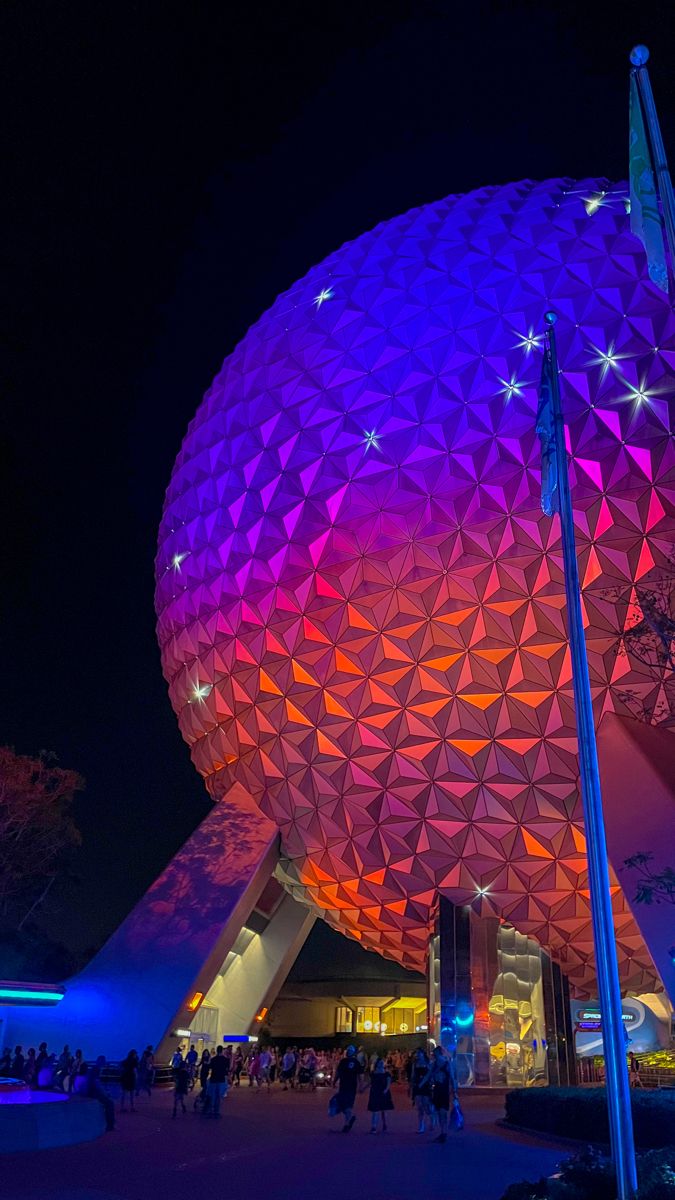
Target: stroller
202, 1102
305, 1078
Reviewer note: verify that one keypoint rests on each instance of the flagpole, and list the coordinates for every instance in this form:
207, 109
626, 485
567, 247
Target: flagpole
616, 1073
639, 56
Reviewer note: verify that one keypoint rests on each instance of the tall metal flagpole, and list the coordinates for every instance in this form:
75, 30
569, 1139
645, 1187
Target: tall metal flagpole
614, 1043
639, 56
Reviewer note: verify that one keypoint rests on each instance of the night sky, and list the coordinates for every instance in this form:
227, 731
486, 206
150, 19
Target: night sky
173, 168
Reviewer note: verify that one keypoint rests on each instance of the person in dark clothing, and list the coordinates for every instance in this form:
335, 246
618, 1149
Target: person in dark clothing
6, 1062
95, 1090
42, 1061
145, 1075
18, 1063
237, 1067
218, 1072
128, 1073
420, 1092
181, 1082
346, 1081
440, 1077
29, 1072
379, 1100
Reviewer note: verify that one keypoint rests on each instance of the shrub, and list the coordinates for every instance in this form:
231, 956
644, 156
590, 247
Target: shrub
582, 1113
590, 1176
656, 1174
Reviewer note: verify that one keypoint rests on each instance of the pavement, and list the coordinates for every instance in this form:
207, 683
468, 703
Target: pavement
283, 1146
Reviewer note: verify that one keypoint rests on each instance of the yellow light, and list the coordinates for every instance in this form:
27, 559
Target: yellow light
367, 1024
194, 1001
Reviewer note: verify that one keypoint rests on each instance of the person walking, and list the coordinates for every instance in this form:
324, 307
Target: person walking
379, 1100
253, 1069
218, 1069
146, 1072
265, 1064
128, 1073
237, 1067
191, 1059
419, 1091
439, 1076
181, 1082
347, 1074
634, 1070
288, 1064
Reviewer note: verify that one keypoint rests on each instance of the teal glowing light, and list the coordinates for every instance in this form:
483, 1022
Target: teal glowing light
464, 1022
12, 993
371, 439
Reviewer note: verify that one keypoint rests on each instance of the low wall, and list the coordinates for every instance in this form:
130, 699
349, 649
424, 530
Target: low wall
49, 1121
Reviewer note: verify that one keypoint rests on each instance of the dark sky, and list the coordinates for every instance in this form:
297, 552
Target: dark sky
172, 168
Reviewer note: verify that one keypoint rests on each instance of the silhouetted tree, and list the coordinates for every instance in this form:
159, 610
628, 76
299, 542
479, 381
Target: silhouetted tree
653, 887
37, 830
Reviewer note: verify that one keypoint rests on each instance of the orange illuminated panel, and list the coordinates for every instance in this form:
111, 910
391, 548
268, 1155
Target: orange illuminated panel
194, 1001
262, 1014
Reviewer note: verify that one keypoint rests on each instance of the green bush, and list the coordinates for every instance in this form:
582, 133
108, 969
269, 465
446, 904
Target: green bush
582, 1113
590, 1176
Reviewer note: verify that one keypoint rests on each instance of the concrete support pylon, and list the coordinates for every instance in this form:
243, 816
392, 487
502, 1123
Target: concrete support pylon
152, 975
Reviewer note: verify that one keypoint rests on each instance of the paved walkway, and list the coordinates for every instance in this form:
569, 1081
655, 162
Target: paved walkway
281, 1147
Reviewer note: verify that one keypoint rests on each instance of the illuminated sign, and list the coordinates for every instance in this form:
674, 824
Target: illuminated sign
589, 1020
29, 994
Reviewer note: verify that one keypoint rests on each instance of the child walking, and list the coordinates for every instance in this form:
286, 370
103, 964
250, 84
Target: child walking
379, 1100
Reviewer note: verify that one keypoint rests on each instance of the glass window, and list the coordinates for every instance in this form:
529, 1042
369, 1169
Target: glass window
343, 1019
368, 1019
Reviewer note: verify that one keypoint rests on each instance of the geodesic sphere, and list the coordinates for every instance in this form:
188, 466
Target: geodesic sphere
361, 604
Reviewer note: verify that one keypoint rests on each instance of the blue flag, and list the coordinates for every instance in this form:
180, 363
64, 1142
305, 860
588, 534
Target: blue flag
646, 221
550, 496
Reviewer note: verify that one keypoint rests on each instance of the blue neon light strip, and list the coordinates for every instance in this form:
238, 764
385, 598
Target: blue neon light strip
29, 994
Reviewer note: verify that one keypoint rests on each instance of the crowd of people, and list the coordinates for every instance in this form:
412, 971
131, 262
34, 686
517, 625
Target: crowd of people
65, 1072
42, 1069
430, 1081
